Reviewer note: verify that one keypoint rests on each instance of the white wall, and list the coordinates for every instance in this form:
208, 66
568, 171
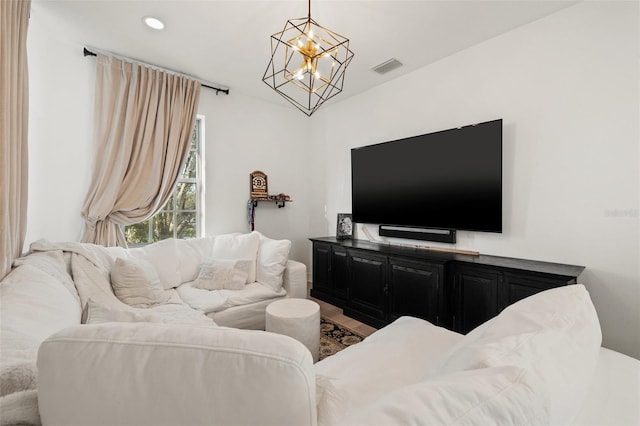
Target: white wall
60, 129
242, 135
567, 89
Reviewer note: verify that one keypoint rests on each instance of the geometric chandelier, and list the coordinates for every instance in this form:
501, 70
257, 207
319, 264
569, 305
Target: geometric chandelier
308, 63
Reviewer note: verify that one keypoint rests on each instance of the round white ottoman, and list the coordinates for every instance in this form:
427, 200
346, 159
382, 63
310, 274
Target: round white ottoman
297, 318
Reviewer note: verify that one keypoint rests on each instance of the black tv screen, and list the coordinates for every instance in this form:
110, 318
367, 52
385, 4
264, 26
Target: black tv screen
450, 179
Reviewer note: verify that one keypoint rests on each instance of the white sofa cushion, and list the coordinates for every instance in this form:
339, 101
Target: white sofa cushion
506, 395
237, 246
98, 314
218, 300
34, 304
54, 264
174, 375
554, 334
191, 254
272, 260
163, 256
136, 283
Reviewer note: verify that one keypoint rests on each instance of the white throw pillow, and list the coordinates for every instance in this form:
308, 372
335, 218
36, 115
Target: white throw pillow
223, 274
234, 247
136, 283
272, 261
506, 395
554, 334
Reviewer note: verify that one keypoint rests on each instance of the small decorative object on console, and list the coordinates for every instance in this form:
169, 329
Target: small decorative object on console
344, 229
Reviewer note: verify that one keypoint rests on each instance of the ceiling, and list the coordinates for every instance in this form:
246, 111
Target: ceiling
228, 43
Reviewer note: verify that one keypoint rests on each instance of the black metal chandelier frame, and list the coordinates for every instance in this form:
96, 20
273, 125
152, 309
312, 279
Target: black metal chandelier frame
325, 56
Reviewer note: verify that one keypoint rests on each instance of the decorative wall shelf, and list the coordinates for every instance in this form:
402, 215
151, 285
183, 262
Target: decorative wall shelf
280, 201
259, 193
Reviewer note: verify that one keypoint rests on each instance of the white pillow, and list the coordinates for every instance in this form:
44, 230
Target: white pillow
554, 334
506, 395
234, 247
272, 261
163, 255
223, 274
136, 283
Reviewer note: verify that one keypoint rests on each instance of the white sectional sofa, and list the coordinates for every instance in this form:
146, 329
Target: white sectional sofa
58, 285
539, 362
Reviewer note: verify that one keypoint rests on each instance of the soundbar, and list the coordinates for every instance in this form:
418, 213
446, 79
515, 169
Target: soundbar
425, 234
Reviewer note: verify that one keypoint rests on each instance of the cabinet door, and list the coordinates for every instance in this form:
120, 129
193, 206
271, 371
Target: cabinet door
414, 289
518, 286
339, 273
367, 284
321, 269
477, 295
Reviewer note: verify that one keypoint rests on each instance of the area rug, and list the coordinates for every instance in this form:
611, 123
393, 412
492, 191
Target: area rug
334, 338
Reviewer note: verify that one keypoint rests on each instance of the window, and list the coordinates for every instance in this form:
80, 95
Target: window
181, 216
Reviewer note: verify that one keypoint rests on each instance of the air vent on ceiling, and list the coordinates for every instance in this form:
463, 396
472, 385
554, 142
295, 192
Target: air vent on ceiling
387, 66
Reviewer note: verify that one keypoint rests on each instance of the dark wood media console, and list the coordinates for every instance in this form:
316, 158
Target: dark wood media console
377, 283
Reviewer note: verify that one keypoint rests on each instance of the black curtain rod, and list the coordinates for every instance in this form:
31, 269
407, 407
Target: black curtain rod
87, 52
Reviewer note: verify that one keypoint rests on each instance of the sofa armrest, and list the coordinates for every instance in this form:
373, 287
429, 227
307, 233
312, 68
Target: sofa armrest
169, 374
295, 279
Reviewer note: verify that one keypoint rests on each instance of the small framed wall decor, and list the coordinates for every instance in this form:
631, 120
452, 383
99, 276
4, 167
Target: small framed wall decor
258, 182
344, 229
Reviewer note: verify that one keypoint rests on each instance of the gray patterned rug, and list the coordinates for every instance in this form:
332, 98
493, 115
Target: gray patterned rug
334, 338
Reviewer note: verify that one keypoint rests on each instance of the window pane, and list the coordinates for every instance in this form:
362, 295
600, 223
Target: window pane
137, 233
169, 203
185, 196
162, 226
186, 225
194, 137
191, 164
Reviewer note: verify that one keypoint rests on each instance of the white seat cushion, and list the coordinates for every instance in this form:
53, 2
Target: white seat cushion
217, 300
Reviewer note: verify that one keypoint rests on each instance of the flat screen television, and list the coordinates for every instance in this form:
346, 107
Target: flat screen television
450, 179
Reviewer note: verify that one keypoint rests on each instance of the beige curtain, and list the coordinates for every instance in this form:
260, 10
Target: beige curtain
143, 123
14, 113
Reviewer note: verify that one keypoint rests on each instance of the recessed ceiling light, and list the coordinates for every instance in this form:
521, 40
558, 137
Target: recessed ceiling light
154, 23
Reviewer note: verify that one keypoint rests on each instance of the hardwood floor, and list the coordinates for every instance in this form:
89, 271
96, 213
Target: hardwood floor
336, 315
